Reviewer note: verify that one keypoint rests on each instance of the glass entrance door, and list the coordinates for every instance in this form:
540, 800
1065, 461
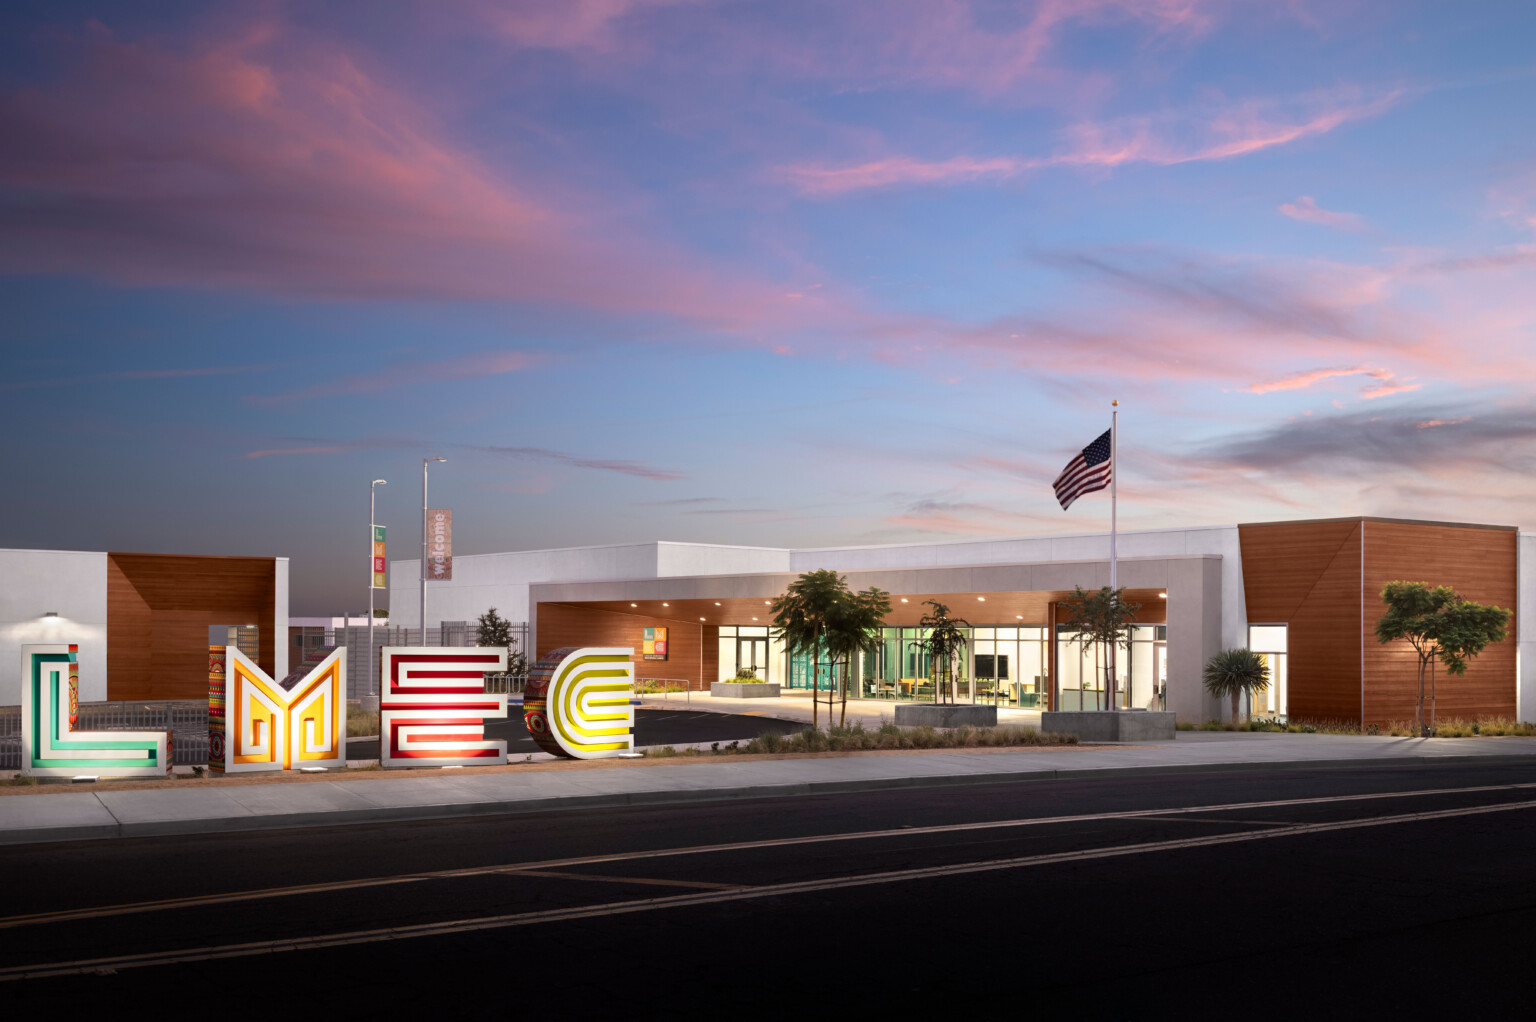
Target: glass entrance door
752, 654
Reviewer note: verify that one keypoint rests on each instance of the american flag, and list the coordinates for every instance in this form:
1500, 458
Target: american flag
1087, 472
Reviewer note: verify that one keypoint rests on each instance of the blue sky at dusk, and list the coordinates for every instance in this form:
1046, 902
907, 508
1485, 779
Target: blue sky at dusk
772, 273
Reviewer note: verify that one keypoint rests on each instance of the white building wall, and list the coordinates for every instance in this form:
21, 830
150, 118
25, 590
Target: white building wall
71, 582
1220, 540
686, 559
280, 619
1525, 626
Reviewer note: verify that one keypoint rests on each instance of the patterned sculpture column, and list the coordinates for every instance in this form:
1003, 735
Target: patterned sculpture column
578, 702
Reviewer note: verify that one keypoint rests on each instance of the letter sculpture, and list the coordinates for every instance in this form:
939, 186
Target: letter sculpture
255, 723
433, 707
50, 709
578, 702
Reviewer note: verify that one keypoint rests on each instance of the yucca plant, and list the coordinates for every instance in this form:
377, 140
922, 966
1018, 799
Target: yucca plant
1233, 672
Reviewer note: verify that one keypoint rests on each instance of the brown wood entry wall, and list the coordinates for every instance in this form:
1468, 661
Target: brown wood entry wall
1324, 580
693, 649
159, 609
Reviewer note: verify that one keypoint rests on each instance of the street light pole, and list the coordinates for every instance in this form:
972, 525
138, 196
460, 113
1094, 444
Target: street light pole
423, 608
369, 661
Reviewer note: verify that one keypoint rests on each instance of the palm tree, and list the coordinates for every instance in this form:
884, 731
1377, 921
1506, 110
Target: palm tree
945, 640
1234, 672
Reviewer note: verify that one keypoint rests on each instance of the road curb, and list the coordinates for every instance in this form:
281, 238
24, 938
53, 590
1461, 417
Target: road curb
532, 807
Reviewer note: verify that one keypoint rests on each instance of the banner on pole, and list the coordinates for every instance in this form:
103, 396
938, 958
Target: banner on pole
379, 580
440, 544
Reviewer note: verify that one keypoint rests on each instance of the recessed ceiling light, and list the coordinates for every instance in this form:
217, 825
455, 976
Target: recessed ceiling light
701, 619
1019, 617
981, 599
1162, 596
767, 603
717, 603
903, 599
666, 604
634, 604
754, 619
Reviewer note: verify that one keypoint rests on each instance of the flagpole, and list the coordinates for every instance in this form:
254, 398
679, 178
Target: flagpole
1114, 507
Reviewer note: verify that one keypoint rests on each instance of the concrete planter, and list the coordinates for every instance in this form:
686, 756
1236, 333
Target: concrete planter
945, 715
1111, 725
744, 689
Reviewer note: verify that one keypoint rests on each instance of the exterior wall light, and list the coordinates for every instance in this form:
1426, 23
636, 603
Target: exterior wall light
1162, 596
51, 613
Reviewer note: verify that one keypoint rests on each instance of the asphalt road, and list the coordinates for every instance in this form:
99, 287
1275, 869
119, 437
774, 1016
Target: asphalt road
1406, 890
652, 727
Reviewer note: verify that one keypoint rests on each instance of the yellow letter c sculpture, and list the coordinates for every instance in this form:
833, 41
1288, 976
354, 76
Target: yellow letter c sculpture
577, 702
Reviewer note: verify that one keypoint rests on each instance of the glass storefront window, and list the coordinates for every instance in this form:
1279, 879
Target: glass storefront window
1272, 643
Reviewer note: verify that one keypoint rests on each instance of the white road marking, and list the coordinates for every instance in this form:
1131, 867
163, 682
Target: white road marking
195, 901
375, 936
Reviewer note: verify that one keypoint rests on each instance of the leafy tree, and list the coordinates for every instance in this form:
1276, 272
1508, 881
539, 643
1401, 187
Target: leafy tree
495, 630
1439, 625
854, 628
1234, 673
821, 618
1102, 617
944, 642
800, 619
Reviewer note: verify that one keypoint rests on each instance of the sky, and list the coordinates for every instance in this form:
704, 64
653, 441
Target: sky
773, 273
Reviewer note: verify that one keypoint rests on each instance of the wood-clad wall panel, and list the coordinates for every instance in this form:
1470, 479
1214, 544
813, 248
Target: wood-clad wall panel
128, 638
566, 624
1479, 564
159, 609
1307, 575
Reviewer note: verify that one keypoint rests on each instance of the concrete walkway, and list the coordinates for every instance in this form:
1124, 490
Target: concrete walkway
101, 812
869, 712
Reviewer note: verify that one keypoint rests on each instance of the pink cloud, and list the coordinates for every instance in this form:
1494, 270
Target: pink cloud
1304, 379
405, 374
133, 374
1306, 209
1236, 131
268, 161
1387, 390
1433, 423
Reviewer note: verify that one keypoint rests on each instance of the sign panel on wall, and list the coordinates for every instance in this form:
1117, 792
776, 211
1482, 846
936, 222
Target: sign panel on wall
50, 709
379, 581
654, 644
440, 544
255, 723
577, 703
433, 708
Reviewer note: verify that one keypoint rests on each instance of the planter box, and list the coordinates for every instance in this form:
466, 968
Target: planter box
744, 689
945, 715
1111, 725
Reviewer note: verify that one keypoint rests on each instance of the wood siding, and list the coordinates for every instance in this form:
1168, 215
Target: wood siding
688, 658
159, 609
1307, 575
1480, 564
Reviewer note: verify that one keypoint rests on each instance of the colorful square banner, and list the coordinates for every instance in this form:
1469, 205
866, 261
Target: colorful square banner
379, 569
654, 644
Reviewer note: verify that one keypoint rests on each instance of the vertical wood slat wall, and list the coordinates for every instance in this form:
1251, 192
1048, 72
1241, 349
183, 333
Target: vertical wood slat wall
159, 609
563, 624
1479, 563
1324, 580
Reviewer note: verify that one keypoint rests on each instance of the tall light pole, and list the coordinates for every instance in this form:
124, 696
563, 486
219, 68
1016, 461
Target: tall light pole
371, 534
424, 463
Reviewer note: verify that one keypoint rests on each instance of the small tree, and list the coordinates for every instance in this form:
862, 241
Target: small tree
1102, 617
853, 628
944, 643
1439, 625
1234, 673
801, 618
496, 631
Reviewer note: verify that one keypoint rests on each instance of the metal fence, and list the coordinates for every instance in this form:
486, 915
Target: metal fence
187, 720
363, 676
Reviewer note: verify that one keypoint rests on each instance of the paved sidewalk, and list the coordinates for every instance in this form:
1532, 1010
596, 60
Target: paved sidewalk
102, 812
870, 712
